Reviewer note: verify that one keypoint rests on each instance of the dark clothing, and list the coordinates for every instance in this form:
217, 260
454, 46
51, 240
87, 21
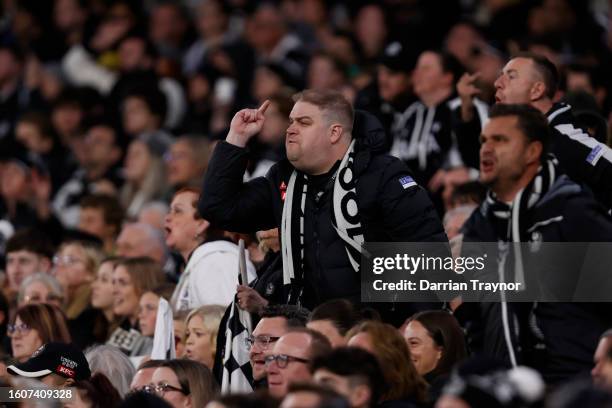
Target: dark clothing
403, 403
580, 156
59, 168
424, 138
387, 211
368, 99
88, 328
269, 282
66, 202
558, 339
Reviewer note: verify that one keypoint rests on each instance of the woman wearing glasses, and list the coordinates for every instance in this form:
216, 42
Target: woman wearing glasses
35, 325
40, 288
184, 383
75, 266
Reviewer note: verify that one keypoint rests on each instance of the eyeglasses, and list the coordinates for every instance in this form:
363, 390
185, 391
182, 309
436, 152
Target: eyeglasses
282, 360
262, 341
162, 388
40, 299
22, 328
65, 260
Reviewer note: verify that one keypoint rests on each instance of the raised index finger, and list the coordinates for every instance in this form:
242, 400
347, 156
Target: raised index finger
475, 75
264, 106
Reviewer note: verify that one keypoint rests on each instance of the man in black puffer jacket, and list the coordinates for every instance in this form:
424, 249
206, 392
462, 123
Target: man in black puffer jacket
529, 201
336, 191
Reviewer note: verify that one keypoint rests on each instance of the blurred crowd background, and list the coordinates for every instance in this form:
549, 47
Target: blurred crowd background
109, 111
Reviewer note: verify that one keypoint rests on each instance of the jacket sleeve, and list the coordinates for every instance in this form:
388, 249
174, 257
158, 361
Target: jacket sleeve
585, 159
468, 133
227, 201
408, 213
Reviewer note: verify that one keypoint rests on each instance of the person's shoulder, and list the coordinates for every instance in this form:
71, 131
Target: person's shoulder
566, 192
477, 226
388, 167
560, 114
572, 203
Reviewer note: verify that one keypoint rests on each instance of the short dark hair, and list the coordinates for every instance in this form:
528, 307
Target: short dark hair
99, 391
111, 208
530, 121
449, 64
320, 345
257, 399
546, 69
341, 312
327, 396
296, 316
41, 122
357, 364
153, 97
30, 240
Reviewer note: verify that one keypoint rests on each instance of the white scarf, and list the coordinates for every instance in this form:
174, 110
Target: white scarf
345, 217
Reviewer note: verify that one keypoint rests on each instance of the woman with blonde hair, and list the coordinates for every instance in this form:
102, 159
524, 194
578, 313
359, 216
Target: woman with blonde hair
184, 383
387, 344
74, 266
201, 334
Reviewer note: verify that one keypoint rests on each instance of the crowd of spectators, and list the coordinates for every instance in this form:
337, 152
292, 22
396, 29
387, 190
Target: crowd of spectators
124, 140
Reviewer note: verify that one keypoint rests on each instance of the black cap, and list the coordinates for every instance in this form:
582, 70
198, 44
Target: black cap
63, 359
397, 56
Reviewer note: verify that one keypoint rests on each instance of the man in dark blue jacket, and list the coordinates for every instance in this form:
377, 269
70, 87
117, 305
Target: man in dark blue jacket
336, 190
529, 201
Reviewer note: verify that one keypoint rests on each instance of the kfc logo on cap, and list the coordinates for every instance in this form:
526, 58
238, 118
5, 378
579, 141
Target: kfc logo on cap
65, 371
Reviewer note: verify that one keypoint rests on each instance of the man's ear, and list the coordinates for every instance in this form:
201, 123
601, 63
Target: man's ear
534, 151
538, 91
68, 383
361, 396
336, 133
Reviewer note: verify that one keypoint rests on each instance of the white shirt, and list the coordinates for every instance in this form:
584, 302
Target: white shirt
210, 277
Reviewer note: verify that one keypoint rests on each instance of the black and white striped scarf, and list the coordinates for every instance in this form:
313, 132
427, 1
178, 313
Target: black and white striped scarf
511, 217
345, 217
